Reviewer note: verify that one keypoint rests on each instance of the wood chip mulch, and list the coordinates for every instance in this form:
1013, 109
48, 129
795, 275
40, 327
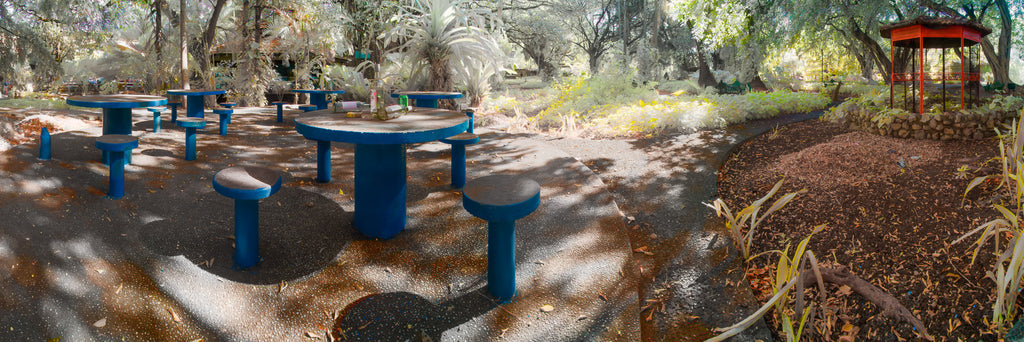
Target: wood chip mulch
888, 224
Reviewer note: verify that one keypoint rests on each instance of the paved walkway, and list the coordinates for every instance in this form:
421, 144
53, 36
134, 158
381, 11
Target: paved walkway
660, 185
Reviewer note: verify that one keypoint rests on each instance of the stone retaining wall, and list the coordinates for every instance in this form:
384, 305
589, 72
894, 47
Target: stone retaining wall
945, 126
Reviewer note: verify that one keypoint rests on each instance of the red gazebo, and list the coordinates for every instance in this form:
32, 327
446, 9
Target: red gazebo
908, 68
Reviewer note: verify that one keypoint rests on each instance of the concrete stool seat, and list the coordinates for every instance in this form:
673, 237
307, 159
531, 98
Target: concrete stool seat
280, 110
174, 110
225, 118
190, 125
228, 104
116, 145
501, 200
247, 185
307, 108
156, 117
459, 143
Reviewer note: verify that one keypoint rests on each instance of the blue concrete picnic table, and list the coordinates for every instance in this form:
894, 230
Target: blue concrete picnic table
117, 112
194, 99
427, 99
380, 173
318, 97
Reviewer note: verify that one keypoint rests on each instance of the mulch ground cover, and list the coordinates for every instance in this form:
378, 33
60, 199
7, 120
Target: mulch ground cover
893, 208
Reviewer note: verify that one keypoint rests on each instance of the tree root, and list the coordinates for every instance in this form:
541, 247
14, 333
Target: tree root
890, 306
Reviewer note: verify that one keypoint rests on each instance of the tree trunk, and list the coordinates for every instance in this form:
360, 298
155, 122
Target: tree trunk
882, 61
158, 28
201, 50
594, 61
704, 76
184, 48
1000, 60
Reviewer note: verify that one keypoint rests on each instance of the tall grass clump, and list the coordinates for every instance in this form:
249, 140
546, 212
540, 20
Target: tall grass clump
793, 315
1008, 269
742, 225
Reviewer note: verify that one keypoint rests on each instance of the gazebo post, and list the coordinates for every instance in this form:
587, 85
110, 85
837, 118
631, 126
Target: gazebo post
921, 74
943, 80
963, 58
892, 75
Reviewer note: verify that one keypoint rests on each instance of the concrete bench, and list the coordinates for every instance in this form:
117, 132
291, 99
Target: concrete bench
501, 200
280, 110
174, 110
116, 145
247, 185
190, 125
156, 117
225, 118
307, 108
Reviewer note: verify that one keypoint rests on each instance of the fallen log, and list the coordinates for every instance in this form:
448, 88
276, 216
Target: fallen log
890, 306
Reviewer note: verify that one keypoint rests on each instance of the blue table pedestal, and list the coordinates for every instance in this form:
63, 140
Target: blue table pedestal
195, 106
319, 100
247, 233
323, 161
380, 190
426, 103
501, 259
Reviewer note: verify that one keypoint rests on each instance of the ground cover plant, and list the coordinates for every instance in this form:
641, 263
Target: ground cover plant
605, 105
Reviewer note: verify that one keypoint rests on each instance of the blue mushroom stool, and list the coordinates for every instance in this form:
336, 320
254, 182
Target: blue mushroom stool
459, 143
280, 110
225, 118
174, 110
116, 145
156, 117
190, 125
501, 200
247, 185
307, 108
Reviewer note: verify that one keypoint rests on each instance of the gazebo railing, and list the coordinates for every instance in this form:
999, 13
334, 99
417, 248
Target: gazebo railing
936, 76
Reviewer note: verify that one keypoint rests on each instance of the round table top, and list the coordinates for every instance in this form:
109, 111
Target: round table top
117, 101
421, 125
428, 95
319, 91
194, 92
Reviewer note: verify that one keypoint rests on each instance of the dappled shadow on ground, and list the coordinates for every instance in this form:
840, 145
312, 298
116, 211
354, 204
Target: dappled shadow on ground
156, 265
404, 316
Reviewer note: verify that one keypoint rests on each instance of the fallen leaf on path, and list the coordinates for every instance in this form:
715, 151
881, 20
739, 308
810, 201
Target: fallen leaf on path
312, 335
547, 308
174, 315
100, 323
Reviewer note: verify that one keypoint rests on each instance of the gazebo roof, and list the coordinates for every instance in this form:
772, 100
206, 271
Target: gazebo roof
933, 23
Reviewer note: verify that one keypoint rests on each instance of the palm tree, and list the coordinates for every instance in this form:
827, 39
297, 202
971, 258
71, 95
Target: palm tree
437, 32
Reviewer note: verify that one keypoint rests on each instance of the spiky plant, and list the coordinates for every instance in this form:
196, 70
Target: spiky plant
438, 32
